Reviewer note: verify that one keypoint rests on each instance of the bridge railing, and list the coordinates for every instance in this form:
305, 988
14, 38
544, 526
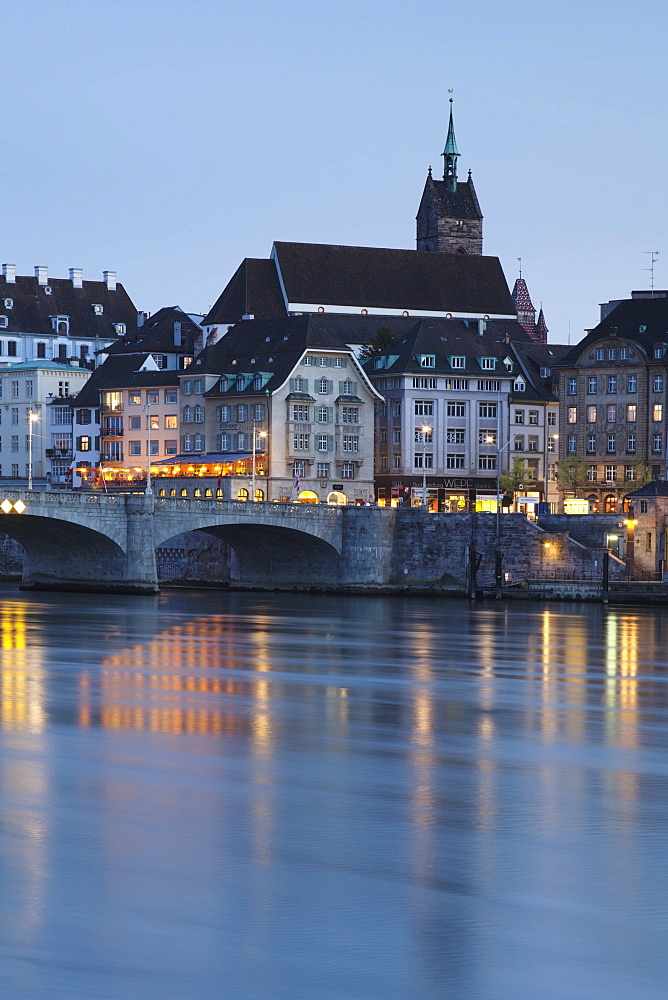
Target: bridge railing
247, 507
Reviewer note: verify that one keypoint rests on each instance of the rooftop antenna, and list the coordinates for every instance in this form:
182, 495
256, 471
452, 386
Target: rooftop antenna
653, 257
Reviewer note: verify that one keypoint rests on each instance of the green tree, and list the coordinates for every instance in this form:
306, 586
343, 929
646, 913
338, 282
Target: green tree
642, 476
519, 475
383, 338
572, 474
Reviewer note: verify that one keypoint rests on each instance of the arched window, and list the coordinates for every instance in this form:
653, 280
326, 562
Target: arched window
208, 494
242, 494
172, 493
184, 493
162, 493
197, 492
259, 496
347, 387
219, 494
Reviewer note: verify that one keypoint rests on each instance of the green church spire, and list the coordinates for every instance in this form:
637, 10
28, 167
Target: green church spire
450, 156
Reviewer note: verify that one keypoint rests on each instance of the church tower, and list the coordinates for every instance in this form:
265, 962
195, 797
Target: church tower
449, 219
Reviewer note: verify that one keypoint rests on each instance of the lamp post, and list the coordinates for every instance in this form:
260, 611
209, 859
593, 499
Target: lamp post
498, 487
426, 429
149, 488
32, 417
256, 434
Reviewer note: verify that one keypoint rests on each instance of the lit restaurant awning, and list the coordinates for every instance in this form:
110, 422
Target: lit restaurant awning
216, 459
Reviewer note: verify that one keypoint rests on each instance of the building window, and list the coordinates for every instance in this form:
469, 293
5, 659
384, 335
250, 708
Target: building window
551, 445
425, 383
484, 437
300, 412
40, 349
11, 348
350, 415
454, 462
493, 385
29, 388
643, 506
533, 443
658, 383
533, 417
572, 387
187, 442
424, 408
347, 390
632, 383
454, 435
591, 414
322, 442
134, 398
610, 473
612, 354
551, 418
424, 460
657, 412
656, 442
629, 472
592, 384
487, 463
154, 422
456, 409
611, 444
519, 443
350, 442
456, 384
612, 413
347, 470
429, 361
322, 470
591, 444
572, 414
199, 414
241, 413
612, 383
624, 354
152, 397
396, 461
488, 363
199, 442
134, 423
187, 414
323, 386
170, 395
170, 447
591, 473
300, 442
632, 412
519, 416
458, 362
15, 414
15, 389
396, 407
171, 422
135, 447
631, 443
658, 351
423, 435
15, 442
600, 354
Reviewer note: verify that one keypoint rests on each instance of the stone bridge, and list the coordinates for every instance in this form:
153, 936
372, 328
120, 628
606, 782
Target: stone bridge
87, 541
91, 541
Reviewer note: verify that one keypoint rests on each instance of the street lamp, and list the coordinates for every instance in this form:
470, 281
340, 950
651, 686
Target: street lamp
149, 488
256, 434
426, 429
32, 417
498, 487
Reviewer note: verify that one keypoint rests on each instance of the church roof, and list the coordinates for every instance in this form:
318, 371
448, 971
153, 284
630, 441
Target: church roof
157, 334
393, 280
459, 204
253, 290
521, 297
541, 326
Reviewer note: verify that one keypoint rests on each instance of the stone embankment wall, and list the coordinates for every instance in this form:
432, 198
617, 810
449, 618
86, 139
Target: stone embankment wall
589, 529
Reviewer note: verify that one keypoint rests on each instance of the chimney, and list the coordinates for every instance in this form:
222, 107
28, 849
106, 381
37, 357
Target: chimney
141, 319
177, 333
9, 271
110, 280
506, 339
42, 275
481, 327
76, 277
74, 362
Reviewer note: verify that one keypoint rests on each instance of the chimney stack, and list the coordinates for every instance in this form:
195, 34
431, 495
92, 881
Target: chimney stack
481, 327
110, 280
141, 316
177, 333
9, 271
42, 275
76, 277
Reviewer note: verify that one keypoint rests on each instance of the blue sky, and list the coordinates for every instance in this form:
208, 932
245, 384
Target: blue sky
169, 142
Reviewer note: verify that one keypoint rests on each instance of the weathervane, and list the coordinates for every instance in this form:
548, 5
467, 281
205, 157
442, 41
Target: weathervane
520, 263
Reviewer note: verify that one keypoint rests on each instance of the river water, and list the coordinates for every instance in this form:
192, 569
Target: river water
218, 795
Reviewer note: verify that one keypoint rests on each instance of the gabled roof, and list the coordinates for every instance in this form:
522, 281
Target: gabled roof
32, 307
642, 321
336, 277
122, 372
657, 488
253, 290
157, 334
270, 348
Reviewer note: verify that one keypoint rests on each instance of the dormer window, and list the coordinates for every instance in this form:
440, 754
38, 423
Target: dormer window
118, 327
47, 289
457, 362
98, 309
257, 382
4, 322
488, 363
519, 385
427, 360
545, 372
508, 363
61, 324
9, 303
659, 350
224, 385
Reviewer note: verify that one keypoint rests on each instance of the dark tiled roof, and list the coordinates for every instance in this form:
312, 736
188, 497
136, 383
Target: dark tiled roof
657, 488
625, 321
272, 346
157, 334
253, 290
369, 277
32, 307
459, 204
120, 372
